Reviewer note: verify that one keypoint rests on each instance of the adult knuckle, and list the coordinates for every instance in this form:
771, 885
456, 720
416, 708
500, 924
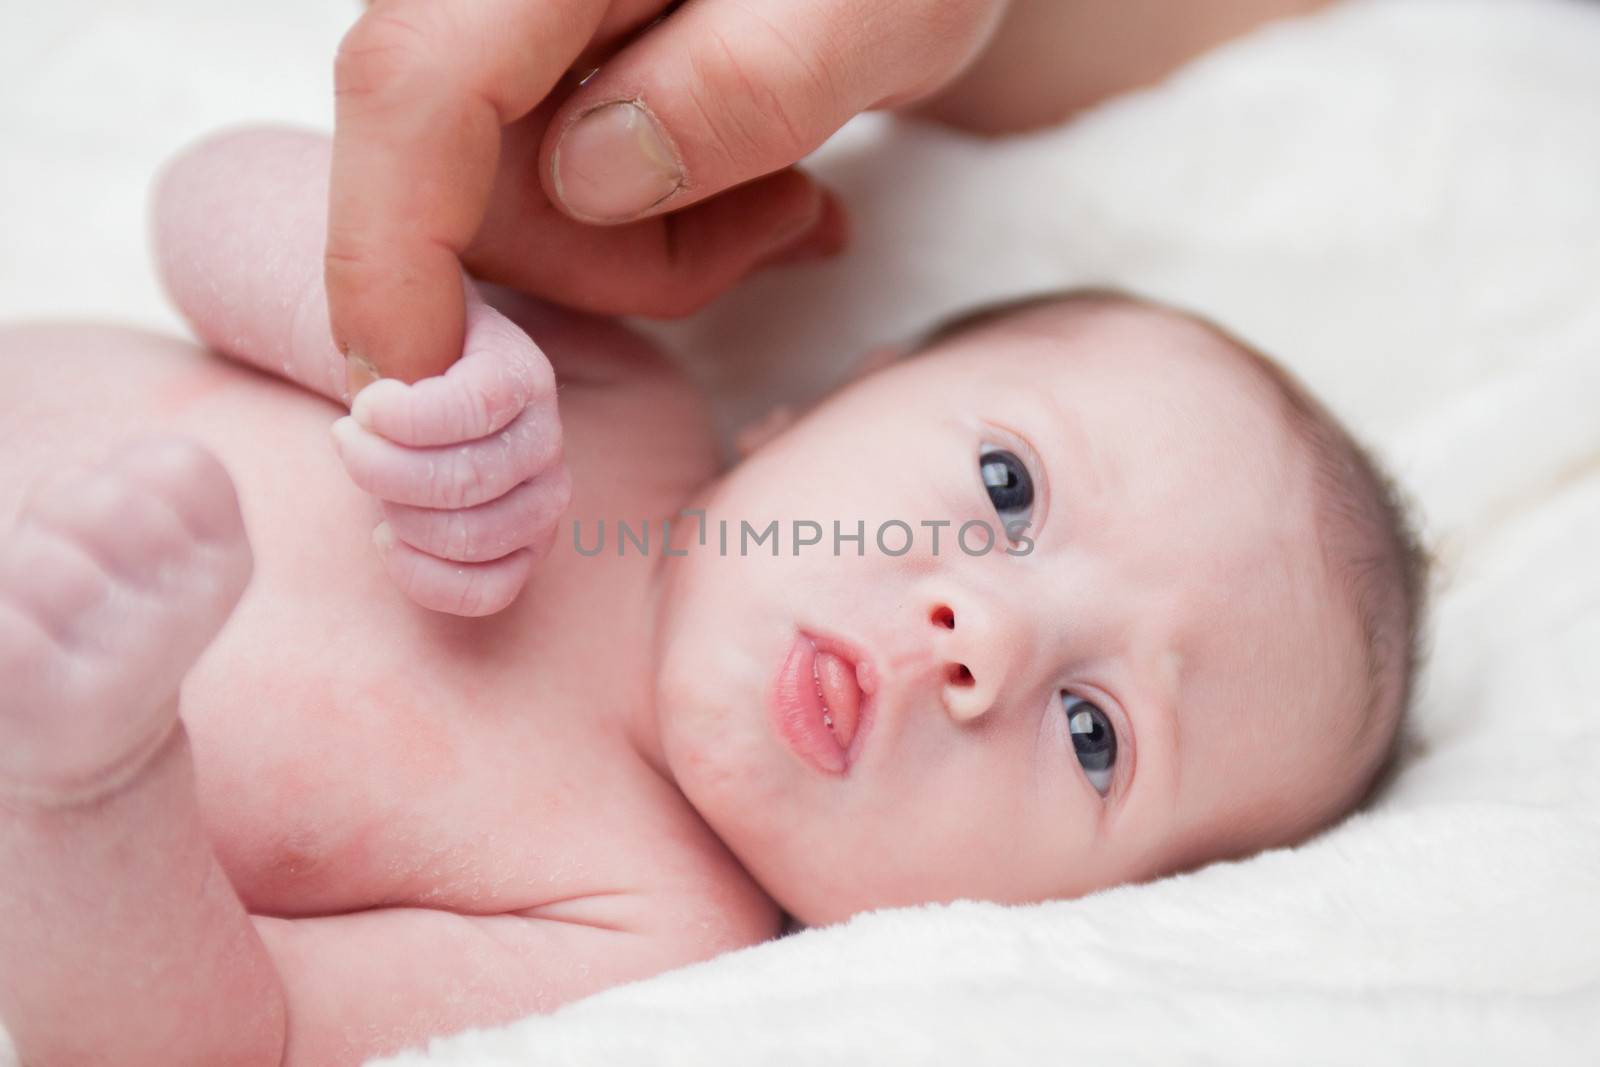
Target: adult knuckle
738, 70
383, 55
945, 32
352, 266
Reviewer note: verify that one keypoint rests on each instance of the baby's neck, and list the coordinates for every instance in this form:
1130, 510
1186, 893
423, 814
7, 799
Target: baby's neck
642, 726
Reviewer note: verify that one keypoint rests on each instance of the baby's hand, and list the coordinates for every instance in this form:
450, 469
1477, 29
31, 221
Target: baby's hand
468, 466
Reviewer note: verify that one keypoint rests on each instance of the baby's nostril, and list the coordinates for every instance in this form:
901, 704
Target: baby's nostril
959, 675
943, 616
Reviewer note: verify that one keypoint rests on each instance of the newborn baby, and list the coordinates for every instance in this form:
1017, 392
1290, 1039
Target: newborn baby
1082, 592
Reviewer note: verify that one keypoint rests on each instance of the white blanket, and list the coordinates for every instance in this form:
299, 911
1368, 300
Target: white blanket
1399, 197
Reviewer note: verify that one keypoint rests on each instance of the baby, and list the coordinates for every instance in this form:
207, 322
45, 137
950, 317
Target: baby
1084, 593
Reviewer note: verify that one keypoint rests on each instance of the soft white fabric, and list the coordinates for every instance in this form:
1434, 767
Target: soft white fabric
1401, 198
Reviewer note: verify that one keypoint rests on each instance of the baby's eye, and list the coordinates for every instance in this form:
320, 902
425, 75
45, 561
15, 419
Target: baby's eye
1010, 488
1093, 740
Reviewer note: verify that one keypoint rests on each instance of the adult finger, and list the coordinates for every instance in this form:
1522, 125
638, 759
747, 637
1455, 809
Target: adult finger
723, 91
501, 371
664, 266
423, 88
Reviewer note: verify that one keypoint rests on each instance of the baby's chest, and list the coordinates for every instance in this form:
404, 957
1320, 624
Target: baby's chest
424, 761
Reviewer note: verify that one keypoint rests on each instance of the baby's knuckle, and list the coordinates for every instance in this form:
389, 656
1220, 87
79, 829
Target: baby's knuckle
541, 448
69, 557
465, 485
469, 593
476, 412
458, 541
560, 492
404, 573
25, 642
187, 461
534, 378
157, 531
192, 487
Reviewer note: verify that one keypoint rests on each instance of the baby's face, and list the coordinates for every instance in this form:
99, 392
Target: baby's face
1143, 682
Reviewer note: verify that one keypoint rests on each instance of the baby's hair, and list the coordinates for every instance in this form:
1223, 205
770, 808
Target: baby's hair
1368, 537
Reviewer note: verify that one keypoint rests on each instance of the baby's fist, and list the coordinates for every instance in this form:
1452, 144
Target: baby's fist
468, 466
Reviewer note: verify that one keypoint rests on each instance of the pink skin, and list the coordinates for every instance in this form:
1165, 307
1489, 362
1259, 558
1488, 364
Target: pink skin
1174, 582
461, 139
116, 579
468, 464
112, 581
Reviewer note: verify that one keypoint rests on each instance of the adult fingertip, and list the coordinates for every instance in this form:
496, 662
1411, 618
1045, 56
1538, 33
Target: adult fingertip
800, 223
833, 231
359, 372
826, 237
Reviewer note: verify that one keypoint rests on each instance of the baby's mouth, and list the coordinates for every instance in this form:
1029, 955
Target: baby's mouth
840, 693
821, 702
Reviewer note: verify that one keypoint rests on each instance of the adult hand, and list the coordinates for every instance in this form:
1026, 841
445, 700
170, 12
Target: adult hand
453, 147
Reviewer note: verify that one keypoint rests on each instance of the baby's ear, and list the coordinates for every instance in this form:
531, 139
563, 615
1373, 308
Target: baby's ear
764, 429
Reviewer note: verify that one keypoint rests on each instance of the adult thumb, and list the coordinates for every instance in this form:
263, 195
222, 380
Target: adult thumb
723, 91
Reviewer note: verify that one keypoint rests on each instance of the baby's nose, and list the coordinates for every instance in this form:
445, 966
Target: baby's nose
974, 651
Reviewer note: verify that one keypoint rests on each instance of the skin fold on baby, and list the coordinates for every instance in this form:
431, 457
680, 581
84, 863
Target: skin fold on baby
375, 823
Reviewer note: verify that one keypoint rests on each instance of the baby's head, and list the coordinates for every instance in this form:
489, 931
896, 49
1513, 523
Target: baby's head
1198, 643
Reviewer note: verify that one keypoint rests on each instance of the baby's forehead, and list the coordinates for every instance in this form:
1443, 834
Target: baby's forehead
1144, 345
1167, 407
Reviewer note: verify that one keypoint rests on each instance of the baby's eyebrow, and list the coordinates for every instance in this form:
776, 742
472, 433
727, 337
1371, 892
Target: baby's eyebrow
1088, 477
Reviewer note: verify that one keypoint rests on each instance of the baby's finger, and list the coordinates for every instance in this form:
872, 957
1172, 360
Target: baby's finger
500, 372
458, 476
470, 589
523, 518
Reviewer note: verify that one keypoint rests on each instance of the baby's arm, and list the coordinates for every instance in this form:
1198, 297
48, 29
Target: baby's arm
1052, 58
238, 229
468, 465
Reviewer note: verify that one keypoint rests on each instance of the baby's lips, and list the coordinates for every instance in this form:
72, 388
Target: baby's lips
841, 695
